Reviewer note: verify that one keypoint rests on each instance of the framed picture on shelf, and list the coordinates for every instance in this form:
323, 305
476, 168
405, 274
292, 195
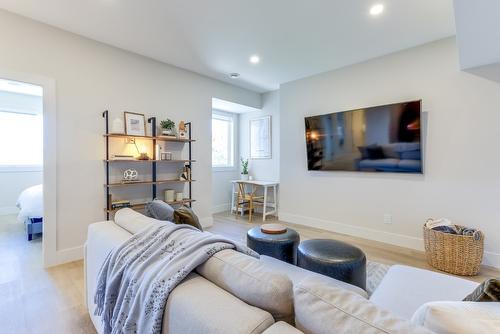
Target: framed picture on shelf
260, 138
135, 124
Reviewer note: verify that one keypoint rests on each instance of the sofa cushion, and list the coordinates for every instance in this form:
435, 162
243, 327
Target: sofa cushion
375, 152
132, 221
282, 327
199, 306
185, 215
246, 278
297, 274
326, 309
159, 210
426, 286
459, 317
412, 155
380, 163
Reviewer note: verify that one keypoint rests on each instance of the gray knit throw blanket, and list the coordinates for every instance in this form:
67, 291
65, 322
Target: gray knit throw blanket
137, 277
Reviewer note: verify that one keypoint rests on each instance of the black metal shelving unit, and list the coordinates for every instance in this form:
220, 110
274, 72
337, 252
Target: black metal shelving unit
154, 164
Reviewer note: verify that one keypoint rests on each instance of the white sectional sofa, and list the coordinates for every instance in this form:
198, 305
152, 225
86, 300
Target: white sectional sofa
233, 293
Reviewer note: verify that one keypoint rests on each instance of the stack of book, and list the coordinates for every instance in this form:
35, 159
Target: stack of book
120, 204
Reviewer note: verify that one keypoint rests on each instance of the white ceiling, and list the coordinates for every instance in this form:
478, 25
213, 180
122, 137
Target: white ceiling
294, 38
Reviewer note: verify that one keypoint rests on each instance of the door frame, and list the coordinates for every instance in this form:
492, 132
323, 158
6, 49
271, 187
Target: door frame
49, 241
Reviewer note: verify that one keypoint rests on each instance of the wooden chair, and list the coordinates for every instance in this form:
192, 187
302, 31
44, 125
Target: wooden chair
249, 198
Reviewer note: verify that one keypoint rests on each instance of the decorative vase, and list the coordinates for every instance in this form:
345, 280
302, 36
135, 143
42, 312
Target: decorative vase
118, 126
167, 132
244, 177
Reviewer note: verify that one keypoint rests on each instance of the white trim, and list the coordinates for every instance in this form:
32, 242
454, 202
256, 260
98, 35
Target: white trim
221, 208
207, 221
20, 168
65, 256
51, 255
490, 258
9, 210
356, 231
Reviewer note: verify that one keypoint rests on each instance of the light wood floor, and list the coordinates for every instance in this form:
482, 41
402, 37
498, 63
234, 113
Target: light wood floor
236, 228
38, 300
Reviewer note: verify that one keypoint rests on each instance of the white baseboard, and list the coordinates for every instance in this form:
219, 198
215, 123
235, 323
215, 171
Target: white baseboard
221, 208
207, 221
66, 255
356, 231
490, 258
9, 210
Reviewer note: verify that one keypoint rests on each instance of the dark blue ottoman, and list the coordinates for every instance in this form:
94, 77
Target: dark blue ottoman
280, 246
333, 258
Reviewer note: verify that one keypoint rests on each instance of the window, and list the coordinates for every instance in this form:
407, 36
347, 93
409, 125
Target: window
222, 140
21, 139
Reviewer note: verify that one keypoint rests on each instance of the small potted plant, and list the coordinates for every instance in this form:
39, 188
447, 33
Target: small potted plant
244, 169
167, 127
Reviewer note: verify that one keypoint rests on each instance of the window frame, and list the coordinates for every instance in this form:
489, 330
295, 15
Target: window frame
233, 118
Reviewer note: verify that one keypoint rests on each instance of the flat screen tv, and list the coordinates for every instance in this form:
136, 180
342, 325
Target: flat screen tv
383, 139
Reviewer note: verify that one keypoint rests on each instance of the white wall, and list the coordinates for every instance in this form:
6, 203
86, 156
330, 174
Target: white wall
263, 169
91, 77
13, 182
461, 179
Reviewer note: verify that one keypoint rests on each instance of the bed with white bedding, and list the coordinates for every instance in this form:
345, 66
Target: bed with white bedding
30, 204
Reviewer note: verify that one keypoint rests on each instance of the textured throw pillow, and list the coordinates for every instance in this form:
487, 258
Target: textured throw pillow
488, 291
185, 215
159, 210
458, 317
375, 152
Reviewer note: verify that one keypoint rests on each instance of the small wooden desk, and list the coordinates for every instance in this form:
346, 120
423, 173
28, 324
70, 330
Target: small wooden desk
266, 185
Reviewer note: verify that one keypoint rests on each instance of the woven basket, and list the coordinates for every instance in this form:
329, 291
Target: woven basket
455, 254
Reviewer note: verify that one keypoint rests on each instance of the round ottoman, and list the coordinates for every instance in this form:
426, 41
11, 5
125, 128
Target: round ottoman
334, 258
280, 246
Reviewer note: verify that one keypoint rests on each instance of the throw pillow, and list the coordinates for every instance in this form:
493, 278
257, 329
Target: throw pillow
488, 291
375, 152
185, 215
159, 210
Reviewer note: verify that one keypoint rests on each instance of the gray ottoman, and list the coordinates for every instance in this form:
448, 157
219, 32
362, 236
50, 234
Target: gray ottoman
334, 258
280, 246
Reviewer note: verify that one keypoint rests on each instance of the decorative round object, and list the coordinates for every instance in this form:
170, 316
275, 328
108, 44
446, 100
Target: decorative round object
273, 228
130, 175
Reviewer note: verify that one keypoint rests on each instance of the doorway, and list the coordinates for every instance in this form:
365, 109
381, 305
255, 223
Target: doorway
21, 174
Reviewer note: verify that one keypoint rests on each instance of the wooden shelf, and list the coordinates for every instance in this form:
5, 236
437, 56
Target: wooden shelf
174, 181
176, 140
140, 206
122, 184
150, 160
162, 138
119, 135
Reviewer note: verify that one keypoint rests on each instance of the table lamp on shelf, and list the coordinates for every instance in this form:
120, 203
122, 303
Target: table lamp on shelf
142, 155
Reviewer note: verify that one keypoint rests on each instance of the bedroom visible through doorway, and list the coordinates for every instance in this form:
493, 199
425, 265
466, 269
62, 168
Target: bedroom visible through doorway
21, 176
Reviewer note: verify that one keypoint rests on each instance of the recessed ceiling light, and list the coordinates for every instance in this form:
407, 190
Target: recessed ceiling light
234, 75
254, 59
376, 9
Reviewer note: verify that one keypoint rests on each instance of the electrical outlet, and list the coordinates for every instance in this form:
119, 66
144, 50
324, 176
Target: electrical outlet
387, 218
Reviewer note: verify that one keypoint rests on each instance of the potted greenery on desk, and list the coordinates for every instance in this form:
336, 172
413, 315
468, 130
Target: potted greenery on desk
244, 169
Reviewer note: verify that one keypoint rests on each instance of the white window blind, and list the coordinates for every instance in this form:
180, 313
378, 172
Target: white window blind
222, 140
